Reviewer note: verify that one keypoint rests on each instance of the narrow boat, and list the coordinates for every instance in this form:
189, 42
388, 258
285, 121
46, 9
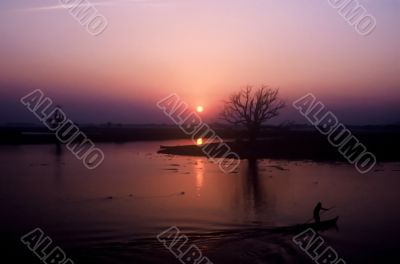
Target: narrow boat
323, 225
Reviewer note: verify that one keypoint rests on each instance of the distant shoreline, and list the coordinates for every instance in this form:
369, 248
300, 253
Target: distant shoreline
292, 143
299, 146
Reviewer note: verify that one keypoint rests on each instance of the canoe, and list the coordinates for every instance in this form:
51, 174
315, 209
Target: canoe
323, 225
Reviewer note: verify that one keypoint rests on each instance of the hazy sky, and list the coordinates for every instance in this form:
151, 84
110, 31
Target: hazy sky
202, 50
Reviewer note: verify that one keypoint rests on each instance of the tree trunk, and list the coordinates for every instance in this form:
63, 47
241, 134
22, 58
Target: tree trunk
253, 132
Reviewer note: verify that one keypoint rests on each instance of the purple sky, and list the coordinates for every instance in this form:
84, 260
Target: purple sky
201, 50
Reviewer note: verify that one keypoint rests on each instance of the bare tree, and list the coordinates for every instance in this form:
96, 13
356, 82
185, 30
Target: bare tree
252, 109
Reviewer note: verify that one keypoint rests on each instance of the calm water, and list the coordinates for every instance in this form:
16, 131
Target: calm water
114, 213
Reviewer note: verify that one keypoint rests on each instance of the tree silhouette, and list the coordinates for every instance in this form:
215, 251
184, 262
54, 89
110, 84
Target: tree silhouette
252, 109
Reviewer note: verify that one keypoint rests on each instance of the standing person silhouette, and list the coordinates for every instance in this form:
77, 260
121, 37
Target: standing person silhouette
317, 211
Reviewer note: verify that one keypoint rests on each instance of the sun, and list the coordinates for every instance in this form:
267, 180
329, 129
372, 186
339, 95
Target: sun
199, 109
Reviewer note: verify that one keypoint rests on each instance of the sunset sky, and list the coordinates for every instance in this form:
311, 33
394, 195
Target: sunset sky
203, 50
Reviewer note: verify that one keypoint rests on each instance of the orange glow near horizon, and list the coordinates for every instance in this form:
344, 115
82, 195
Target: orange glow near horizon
199, 141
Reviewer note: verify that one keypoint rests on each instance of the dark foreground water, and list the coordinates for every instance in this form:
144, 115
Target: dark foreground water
114, 213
